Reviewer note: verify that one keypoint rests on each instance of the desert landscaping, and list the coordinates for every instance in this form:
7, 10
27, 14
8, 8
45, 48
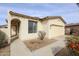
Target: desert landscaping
37, 44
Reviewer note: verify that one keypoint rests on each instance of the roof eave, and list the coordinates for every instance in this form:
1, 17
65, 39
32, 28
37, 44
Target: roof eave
22, 15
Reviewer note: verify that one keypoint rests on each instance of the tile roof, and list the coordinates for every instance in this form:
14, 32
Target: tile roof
37, 18
72, 24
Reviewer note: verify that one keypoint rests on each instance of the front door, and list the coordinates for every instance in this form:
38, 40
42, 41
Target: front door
14, 30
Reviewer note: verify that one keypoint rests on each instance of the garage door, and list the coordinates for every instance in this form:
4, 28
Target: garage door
57, 30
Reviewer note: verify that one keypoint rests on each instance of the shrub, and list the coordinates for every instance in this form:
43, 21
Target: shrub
73, 44
3, 40
41, 34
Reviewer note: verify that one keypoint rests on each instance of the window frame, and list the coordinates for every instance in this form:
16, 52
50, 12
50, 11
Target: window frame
34, 30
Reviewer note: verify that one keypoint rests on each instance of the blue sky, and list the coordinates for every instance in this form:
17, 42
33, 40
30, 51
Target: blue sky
70, 12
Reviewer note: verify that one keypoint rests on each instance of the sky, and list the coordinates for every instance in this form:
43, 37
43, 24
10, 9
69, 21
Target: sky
69, 12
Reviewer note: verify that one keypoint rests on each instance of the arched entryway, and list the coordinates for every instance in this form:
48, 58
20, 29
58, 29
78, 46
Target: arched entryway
15, 27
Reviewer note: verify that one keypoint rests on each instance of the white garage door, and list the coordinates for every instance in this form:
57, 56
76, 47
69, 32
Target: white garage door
57, 30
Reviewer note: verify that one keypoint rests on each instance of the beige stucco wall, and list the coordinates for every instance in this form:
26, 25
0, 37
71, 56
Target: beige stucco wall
45, 28
23, 26
56, 31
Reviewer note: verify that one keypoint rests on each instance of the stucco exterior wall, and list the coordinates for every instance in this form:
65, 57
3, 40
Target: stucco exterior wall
9, 27
45, 28
56, 21
57, 29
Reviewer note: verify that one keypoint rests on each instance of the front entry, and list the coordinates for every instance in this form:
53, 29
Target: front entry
15, 26
14, 30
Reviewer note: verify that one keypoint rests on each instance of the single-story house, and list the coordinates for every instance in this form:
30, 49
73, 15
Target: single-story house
27, 27
71, 28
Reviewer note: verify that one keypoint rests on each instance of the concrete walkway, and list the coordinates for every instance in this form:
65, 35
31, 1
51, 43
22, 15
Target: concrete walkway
18, 48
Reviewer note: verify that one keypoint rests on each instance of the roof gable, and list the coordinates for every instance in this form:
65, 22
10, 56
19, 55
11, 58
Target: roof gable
54, 17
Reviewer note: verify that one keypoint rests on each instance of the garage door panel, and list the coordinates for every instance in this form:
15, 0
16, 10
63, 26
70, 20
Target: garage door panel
57, 31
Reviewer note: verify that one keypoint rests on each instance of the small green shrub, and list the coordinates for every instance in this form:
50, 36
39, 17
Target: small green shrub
3, 39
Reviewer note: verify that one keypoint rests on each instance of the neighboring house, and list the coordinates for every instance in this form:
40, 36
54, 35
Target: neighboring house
3, 26
26, 27
71, 28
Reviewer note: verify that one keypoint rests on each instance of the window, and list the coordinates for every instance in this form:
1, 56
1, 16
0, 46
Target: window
32, 27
